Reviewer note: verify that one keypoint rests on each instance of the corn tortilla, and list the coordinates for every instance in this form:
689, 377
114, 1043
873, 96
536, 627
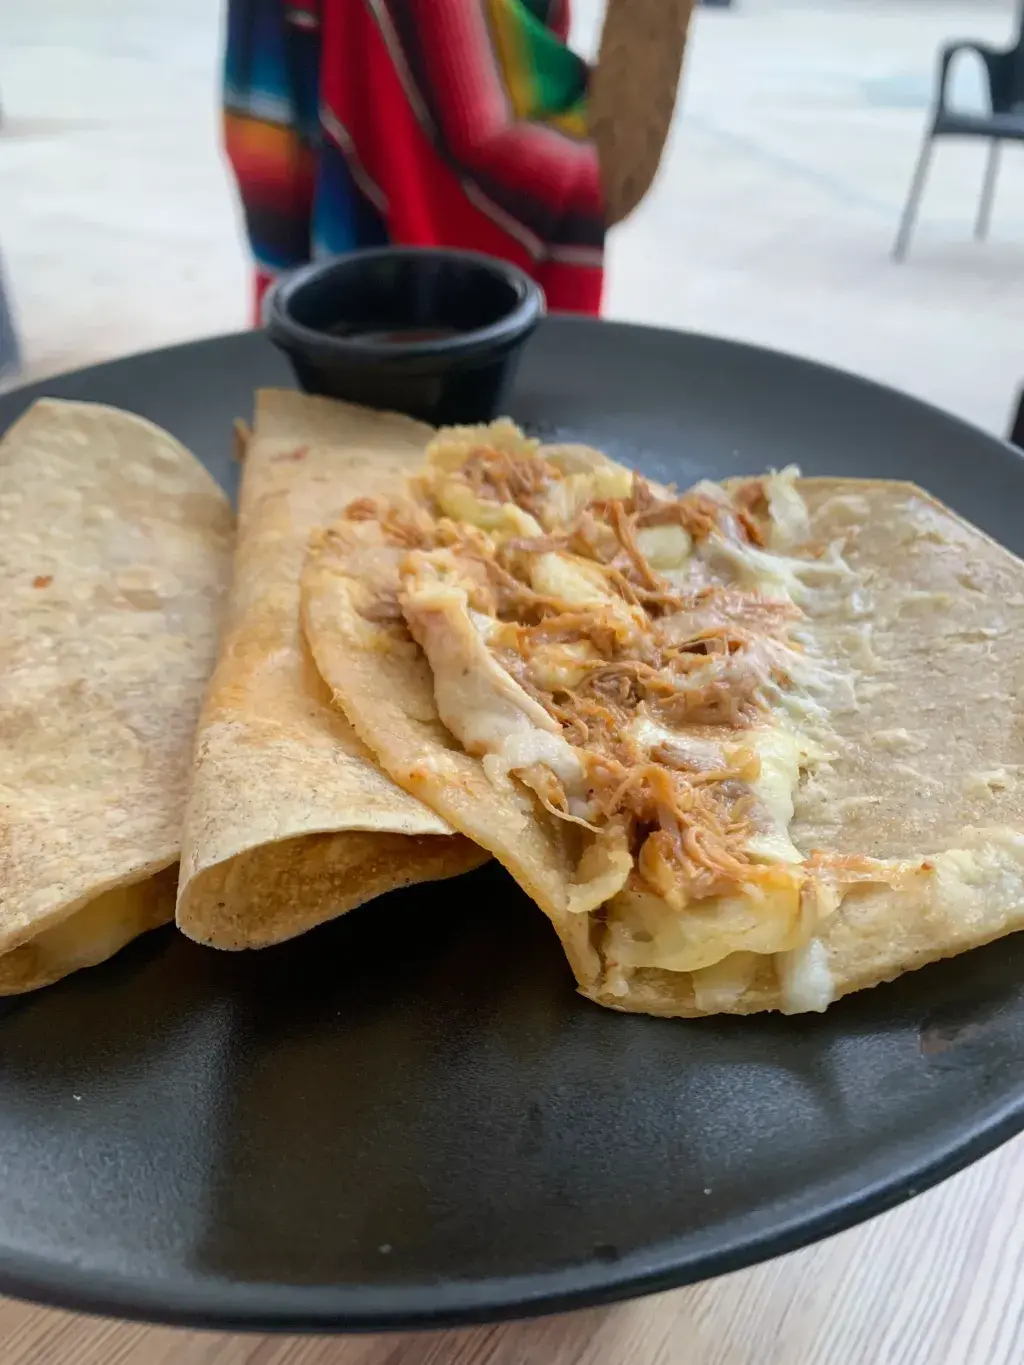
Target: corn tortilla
115, 552
290, 819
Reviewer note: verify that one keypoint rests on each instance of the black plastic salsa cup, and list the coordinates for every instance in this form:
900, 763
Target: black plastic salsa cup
434, 334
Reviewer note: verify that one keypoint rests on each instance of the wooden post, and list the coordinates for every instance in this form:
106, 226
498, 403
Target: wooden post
633, 95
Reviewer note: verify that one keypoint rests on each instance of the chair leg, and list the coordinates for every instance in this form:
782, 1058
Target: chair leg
10, 358
1017, 429
906, 227
988, 191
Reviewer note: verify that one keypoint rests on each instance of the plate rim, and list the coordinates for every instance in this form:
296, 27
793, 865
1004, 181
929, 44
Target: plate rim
257, 1306
11, 393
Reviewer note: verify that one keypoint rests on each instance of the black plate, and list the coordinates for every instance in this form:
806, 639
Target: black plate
408, 1117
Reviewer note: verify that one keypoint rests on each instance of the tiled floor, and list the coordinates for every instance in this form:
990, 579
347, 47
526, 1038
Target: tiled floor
771, 221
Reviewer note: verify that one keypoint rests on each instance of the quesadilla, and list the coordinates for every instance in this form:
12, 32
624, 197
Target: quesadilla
290, 820
115, 551
748, 747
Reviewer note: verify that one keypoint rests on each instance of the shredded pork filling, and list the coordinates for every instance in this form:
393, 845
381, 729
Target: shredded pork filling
589, 638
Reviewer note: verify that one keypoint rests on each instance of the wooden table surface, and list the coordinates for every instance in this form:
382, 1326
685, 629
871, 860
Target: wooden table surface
939, 1281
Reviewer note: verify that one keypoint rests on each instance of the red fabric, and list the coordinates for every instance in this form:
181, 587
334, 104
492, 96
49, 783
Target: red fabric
262, 280
426, 199
560, 19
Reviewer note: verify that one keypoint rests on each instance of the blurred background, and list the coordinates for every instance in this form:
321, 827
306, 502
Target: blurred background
772, 219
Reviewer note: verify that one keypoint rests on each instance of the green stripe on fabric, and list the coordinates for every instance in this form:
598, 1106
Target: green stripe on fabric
546, 80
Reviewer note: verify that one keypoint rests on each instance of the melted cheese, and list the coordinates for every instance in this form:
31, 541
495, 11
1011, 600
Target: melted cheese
774, 575
664, 547
516, 523
479, 702
566, 498
805, 979
560, 665
602, 873
704, 755
95, 932
763, 917
780, 753
92, 934
458, 501
502, 520
720, 986
579, 459
790, 521
577, 583
485, 626
476, 698
524, 747
573, 581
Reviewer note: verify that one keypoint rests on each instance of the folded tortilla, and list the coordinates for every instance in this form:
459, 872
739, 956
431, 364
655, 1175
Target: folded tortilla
115, 551
290, 820
928, 770
916, 798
